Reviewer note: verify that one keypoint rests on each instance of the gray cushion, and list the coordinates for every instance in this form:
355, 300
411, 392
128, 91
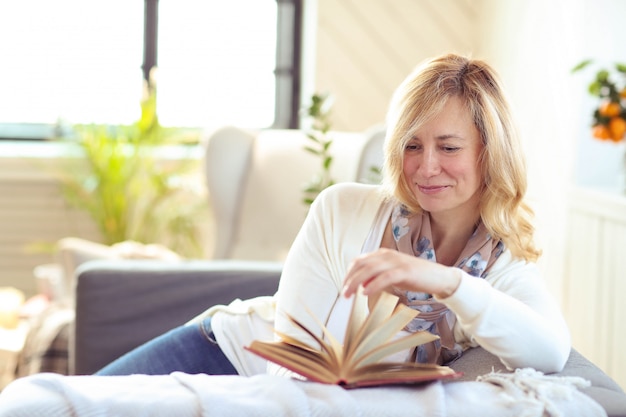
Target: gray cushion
122, 304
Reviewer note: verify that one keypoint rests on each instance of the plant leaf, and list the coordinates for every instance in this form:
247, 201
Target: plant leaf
312, 150
595, 88
581, 65
602, 76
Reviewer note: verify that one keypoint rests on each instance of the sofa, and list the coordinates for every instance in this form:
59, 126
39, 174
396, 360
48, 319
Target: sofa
121, 304
254, 180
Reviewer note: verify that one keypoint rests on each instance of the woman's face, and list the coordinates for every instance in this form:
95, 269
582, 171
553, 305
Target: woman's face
441, 163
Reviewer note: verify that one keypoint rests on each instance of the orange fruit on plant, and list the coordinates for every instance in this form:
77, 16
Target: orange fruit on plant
610, 109
622, 93
617, 127
601, 132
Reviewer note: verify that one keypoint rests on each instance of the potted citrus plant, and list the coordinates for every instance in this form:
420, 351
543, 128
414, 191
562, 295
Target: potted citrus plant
609, 116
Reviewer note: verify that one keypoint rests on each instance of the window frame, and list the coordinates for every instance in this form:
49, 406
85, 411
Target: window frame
288, 70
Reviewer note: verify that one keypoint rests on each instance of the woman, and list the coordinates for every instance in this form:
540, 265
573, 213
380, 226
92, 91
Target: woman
448, 232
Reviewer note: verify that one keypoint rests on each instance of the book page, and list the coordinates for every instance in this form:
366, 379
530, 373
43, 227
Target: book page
338, 319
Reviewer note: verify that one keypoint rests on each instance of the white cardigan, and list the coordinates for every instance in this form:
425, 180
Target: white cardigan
510, 313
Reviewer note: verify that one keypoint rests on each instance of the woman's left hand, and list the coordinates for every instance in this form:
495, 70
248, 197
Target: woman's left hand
386, 268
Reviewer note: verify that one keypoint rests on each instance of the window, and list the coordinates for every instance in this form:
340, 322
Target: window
70, 59
81, 62
216, 62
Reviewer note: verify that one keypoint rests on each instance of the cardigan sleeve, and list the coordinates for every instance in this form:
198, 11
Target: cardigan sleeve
332, 235
511, 314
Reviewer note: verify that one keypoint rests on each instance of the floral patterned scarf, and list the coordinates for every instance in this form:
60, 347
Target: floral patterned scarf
412, 234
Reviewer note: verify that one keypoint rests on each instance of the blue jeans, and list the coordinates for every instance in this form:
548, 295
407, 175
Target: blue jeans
191, 349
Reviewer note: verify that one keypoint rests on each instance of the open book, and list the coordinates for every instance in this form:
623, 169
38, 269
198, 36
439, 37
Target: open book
358, 362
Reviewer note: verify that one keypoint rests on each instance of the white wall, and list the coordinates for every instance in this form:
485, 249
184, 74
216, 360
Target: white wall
365, 48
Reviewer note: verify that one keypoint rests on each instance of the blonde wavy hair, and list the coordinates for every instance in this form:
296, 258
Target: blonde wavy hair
420, 97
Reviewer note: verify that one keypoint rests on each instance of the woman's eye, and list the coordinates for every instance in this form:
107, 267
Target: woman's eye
411, 147
450, 148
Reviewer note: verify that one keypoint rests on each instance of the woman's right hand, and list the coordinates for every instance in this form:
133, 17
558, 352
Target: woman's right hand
386, 268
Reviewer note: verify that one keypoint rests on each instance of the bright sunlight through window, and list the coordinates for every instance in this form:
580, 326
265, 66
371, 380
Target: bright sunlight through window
216, 62
80, 61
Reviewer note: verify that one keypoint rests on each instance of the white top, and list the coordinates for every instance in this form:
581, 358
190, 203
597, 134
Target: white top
510, 313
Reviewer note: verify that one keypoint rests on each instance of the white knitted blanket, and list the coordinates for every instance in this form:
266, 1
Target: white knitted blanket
522, 394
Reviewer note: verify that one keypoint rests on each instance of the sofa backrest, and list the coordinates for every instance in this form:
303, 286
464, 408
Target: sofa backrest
255, 181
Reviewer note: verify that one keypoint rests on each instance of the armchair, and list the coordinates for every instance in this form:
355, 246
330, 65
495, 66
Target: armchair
255, 182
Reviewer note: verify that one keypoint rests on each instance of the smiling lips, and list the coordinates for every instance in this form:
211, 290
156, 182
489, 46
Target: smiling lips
432, 189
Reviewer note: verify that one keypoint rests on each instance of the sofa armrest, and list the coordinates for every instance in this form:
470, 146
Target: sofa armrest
122, 304
604, 390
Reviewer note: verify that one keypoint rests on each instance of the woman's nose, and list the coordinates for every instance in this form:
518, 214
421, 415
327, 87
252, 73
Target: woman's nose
429, 165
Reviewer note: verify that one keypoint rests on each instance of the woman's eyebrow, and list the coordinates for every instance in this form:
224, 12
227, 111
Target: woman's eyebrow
443, 136
449, 136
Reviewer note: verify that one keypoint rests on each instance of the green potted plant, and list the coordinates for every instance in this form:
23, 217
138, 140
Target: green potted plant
320, 143
130, 190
